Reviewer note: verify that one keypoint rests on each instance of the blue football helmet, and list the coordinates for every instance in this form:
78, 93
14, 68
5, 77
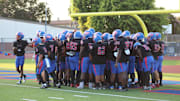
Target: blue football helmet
110, 37
77, 35
20, 34
105, 36
69, 34
132, 36
37, 41
62, 37
116, 33
65, 32
158, 35
136, 44
87, 34
48, 37
42, 34
139, 36
153, 37
97, 38
92, 30
126, 34
97, 33
150, 34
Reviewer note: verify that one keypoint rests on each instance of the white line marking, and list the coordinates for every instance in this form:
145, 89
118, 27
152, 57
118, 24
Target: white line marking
28, 99
79, 96
91, 93
58, 98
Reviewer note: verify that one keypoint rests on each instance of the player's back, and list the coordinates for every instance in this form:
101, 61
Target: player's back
86, 44
51, 47
75, 45
42, 50
99, 53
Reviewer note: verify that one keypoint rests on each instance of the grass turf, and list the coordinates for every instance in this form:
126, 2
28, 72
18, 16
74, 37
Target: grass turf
18, 93
13, 93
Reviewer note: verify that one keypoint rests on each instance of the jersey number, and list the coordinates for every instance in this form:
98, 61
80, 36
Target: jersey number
73, 46
101, 50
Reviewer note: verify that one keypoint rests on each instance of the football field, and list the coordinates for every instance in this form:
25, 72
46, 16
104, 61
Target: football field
30, 91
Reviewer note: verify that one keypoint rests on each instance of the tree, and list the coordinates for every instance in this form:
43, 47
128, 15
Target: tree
109, 23
24, 9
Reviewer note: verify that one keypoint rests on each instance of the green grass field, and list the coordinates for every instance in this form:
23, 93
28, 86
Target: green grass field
10, 91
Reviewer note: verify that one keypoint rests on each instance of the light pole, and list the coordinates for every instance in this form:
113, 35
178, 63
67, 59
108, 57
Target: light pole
46, 17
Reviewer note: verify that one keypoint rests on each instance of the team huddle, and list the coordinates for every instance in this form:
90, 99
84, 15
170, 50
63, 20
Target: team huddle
101, 61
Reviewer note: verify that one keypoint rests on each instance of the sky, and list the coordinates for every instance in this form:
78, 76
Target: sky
59, 8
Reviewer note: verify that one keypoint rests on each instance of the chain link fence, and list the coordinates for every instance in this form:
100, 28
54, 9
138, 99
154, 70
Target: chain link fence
6, 45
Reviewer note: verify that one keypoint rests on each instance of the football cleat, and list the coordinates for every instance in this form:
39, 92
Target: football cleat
111, 87
19, 82
24, 79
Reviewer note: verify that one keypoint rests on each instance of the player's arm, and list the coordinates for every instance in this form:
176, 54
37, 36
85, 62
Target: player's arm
14, 48
138, 52
39, 60
80, 53
118, 56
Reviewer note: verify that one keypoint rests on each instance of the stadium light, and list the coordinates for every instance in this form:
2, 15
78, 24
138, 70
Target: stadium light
131, 13
46, 17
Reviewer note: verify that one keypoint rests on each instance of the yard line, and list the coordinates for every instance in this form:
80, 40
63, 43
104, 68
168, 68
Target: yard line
28, 99
58, 98
80, 96
83, 92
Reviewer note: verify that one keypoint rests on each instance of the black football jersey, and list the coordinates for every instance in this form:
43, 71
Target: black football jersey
43, 50
61, 51
20, 45
113, 46
86, 44
162, 45
51, 47
99, 53
145, 50
124, 45
75, 45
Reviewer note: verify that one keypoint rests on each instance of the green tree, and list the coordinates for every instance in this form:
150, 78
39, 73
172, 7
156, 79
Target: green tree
109, 23
24, 9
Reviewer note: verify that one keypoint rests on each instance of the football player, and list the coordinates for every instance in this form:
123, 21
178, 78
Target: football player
144, 53
97, 55
19, 50
84, 60
160, 56
74, 58
122, 61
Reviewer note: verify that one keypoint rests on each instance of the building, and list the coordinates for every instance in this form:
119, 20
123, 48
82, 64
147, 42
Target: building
9, 27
